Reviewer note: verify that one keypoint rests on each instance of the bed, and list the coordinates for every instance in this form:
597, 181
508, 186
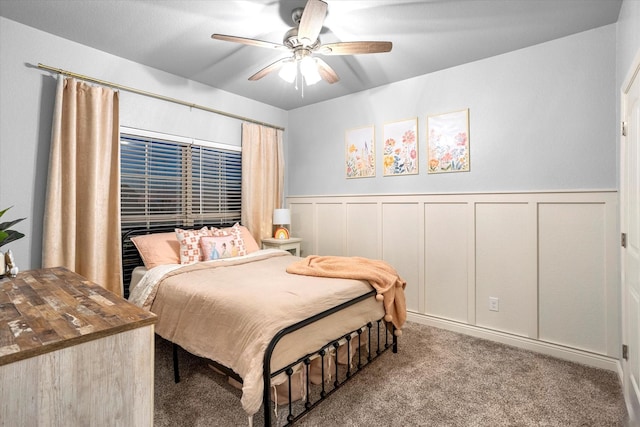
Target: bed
279, 335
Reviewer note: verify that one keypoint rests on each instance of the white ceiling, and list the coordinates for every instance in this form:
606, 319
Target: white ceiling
427, 35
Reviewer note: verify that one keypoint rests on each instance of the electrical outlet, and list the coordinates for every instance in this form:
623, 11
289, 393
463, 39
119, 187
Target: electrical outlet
494, 304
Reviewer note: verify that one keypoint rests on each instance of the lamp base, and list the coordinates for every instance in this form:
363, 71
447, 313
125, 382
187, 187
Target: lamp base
281, 233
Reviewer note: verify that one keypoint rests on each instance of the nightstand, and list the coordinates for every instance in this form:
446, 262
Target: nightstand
291, 244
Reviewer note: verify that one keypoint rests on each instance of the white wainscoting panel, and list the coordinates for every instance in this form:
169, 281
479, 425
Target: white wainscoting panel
401, 244
446, 260
551, 259
330, 225
505, 267
572, 269
302, 214
363, 225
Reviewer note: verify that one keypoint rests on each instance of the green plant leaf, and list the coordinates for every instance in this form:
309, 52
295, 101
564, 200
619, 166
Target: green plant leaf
6, 235
3, 211
11, 236
6, 225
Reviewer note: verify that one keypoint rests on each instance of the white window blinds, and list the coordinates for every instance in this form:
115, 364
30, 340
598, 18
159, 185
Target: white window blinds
175, 181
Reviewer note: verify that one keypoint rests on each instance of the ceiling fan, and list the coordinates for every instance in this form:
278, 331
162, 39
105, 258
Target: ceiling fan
303, 41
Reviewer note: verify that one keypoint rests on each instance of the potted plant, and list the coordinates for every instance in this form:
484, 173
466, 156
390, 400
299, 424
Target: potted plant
8, 236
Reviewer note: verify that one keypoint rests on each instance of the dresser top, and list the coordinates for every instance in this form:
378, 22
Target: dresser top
53, 308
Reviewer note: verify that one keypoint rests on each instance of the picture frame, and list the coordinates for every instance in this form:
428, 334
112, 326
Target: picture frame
400, 148
360, 158
448, 142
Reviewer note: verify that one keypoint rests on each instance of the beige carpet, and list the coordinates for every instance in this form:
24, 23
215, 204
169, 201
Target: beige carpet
438, 378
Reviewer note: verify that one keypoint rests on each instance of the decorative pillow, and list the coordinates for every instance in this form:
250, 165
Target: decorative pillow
157, 249
243, 233
217, 247
249, 242
236, 233
190, 244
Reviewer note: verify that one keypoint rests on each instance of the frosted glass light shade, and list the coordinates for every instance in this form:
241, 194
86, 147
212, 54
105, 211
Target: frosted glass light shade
309, 69
288, 71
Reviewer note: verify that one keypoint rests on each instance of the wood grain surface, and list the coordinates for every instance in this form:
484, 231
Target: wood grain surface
50, 309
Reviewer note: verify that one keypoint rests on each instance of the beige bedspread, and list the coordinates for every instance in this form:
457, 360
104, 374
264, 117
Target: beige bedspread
229, 312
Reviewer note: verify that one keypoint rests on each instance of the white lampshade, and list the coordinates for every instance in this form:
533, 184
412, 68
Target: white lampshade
281, 216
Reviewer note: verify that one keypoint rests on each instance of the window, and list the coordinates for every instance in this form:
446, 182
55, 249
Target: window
174, 181
169, 181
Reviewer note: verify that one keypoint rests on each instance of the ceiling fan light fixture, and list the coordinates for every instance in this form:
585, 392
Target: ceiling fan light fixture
309, 70
303, 41
288, 71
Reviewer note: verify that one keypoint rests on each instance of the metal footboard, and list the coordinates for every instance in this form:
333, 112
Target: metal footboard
293, 415
323, 352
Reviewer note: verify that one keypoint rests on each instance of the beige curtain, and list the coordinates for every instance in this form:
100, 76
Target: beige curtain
262, 177
82, 209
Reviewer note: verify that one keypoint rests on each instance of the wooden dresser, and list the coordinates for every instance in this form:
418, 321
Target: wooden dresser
72, 353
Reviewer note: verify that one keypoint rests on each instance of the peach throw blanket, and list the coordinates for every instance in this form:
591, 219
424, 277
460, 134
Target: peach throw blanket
382, 276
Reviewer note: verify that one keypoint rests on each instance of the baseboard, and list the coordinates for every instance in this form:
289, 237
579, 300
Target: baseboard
554, 350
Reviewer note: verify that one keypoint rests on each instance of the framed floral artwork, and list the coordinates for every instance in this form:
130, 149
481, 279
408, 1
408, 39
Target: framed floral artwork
361, 156
448, 142
400, 154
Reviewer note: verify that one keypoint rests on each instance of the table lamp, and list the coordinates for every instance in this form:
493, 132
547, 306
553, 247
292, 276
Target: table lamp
281, 217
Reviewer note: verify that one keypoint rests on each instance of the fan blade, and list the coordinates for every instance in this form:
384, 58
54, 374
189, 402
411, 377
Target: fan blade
354, 48
269, 69
311, 21
250, 42
326, 72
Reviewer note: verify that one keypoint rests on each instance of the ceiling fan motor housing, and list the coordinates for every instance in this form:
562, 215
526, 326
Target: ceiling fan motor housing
292, 41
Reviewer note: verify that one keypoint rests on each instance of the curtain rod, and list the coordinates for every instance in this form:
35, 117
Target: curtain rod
155, 95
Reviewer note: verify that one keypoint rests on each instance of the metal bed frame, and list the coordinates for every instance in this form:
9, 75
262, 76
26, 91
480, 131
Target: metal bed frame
131, 259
